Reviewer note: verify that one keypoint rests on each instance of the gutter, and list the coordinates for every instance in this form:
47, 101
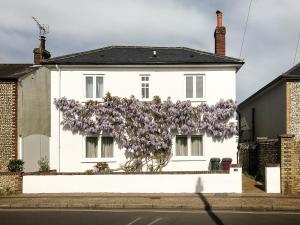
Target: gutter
59, 115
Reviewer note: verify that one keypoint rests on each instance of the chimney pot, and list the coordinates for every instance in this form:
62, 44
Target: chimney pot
219, 18
41, 53
219, 34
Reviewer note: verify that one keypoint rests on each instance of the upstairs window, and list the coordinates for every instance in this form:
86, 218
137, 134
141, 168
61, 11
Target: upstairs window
145, 86
93, 86
194, 86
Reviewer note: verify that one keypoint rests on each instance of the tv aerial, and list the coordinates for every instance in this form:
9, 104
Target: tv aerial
44, 28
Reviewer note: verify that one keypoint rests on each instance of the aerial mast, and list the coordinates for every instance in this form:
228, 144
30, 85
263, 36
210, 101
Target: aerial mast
41, 52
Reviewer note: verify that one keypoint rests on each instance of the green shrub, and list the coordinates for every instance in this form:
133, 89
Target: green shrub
44, 164
90, 172
15, 165
102, 167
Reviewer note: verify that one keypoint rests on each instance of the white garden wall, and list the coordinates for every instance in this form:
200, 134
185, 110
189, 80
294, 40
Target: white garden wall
136, 183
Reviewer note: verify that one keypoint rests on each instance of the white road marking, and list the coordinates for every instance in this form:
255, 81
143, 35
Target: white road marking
155, 221
200, 211
132, 222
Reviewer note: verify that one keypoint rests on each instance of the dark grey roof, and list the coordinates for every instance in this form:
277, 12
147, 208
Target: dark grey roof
141, 55
292, 74
14, 71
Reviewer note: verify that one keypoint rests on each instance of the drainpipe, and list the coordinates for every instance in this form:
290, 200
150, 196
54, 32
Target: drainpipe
59, 113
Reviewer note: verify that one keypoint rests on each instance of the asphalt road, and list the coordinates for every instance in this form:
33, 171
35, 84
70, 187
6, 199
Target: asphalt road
143, 217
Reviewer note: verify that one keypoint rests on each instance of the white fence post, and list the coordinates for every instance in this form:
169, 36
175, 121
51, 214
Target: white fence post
272, 182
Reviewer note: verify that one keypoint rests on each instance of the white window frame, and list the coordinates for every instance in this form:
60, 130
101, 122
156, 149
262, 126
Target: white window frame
94, 76
194, 76
189, 157
99, 158
144, 82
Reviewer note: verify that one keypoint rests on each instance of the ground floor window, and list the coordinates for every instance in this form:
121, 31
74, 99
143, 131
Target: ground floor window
189, 145
96, 145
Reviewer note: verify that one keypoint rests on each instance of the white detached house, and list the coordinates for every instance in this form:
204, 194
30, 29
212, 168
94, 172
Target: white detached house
176, 72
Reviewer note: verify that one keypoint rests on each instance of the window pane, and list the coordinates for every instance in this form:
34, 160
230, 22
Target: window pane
147, 92
99, 87
143, 93
199, 87
107, 147
91, 147
197, 149
181, 146
189, 87
89, 87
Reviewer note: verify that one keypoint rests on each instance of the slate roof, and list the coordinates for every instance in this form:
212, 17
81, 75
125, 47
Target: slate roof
142, 55
293, 74
14, 71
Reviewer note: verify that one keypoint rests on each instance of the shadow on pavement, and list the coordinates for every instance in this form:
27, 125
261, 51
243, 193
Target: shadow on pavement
207, 206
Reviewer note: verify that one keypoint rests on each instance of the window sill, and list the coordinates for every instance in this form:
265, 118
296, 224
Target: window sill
95, 160
92, 99
195, 99
188, 158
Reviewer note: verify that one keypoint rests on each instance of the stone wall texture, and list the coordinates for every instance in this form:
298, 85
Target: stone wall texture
10, 183
8, 122
293, 108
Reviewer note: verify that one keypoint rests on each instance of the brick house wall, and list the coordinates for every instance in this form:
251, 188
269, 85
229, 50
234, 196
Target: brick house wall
8, 122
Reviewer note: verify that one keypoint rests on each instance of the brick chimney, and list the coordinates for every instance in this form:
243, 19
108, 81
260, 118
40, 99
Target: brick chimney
220, 32
41, 52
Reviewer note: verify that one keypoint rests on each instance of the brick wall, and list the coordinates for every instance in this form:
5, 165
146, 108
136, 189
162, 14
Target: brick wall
268, 153
254, 157
10, 183
290, 165
8, 122
285, 151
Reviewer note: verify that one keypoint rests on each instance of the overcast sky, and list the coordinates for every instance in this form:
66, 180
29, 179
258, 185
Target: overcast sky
269, 46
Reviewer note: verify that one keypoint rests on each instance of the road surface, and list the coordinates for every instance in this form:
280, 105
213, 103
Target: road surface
143, 217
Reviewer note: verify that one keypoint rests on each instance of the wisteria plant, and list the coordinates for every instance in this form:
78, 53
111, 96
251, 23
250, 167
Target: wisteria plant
145, 129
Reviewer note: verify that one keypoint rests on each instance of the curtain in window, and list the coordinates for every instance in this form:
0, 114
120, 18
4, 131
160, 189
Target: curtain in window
99, 87
91, 147
107, 147
189, 87
181, 146
196, 146
89, 87
199, 87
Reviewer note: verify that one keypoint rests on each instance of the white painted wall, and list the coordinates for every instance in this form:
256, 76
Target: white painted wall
272, 179
66, 149
160, 183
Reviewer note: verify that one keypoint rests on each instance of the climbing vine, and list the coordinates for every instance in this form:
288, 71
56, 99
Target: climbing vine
145, 129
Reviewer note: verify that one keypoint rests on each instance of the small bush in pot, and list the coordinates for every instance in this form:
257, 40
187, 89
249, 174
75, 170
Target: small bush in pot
44, 164
102, 167
15, 165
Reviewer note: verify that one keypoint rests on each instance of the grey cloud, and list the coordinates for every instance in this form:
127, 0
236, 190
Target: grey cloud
82, 25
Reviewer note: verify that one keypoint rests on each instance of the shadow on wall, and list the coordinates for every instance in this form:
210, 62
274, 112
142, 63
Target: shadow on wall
207, 206
34, 148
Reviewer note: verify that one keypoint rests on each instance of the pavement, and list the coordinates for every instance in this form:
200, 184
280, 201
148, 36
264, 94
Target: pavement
208, 202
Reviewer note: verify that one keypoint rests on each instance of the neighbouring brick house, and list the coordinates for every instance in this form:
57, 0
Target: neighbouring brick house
272, 110
9, 75
264, 117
